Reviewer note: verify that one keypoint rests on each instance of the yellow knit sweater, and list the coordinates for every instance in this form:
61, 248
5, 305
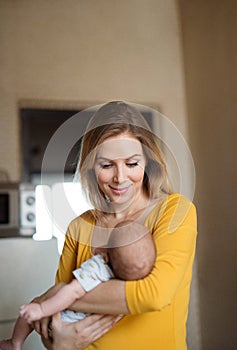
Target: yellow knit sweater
158, 304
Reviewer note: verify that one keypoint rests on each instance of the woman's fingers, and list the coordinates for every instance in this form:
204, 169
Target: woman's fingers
41, 327
37, 326
95, 326
101, 326
79, 335
44, 327
47, 343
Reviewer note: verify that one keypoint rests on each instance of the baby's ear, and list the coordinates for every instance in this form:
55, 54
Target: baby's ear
102, 251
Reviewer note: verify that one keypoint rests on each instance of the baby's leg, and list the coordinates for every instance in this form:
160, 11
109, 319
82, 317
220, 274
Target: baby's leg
8, 344
21, 330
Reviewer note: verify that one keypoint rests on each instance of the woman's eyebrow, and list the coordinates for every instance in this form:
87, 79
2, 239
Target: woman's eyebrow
102, 158
132, 156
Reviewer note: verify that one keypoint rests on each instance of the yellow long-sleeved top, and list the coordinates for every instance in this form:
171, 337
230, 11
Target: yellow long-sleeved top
158, 304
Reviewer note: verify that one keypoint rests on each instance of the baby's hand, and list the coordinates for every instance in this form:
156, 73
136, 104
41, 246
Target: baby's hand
31, 312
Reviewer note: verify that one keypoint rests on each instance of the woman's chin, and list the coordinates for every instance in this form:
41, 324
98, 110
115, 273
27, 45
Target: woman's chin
122, 202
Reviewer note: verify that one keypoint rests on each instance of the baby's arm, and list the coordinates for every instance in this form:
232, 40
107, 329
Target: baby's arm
67, 295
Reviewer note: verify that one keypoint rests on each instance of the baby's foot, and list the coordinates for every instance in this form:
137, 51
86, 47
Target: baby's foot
9, 345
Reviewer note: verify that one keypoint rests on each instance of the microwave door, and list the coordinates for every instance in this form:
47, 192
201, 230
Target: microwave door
4, 209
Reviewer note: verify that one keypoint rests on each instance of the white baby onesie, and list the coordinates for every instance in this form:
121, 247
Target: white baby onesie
90, 274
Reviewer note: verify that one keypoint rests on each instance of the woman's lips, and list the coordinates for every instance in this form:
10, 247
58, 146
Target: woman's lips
119, 191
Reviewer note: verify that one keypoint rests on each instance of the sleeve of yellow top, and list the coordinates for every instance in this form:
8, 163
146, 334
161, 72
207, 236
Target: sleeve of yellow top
68, 257
174, 233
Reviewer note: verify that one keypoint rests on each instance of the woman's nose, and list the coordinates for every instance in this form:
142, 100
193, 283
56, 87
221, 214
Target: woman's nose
119, 174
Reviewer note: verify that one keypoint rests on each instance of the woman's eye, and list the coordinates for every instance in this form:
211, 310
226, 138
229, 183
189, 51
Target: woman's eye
133, 164
105, 166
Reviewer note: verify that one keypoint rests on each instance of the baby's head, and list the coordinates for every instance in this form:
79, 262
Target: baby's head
131, 251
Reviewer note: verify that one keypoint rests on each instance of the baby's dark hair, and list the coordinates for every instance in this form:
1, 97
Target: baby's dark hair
131, 251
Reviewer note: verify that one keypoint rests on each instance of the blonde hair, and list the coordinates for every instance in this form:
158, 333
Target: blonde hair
113, 119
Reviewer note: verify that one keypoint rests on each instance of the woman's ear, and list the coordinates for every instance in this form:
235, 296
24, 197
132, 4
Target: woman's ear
104, 252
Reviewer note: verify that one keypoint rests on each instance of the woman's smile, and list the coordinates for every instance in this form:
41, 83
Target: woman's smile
119, 190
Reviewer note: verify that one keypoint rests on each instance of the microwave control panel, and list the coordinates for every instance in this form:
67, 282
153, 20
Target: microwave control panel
27, 209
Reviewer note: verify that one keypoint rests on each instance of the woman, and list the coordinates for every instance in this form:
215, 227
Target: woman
122, 170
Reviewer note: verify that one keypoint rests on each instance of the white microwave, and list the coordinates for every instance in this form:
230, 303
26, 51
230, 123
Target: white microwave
17, 209
9, 209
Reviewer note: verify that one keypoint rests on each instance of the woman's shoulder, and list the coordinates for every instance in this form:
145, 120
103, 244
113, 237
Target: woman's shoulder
176, 199
174, 205
86, 218
80, 228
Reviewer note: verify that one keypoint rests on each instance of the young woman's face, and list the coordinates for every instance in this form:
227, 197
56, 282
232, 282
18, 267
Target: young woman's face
119, 168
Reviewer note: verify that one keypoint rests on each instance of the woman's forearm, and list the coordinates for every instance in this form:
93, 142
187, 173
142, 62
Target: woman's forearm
107, 298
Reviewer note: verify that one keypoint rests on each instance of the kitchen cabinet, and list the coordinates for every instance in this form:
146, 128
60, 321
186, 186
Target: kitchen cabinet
27, 269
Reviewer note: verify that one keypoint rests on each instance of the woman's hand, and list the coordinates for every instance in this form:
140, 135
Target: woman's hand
78, 335
42, 326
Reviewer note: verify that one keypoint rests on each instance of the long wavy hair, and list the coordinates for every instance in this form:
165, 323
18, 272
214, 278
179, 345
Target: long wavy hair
113, 119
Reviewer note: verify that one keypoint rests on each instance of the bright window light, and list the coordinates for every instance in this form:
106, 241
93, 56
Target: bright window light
43, 208
68, 202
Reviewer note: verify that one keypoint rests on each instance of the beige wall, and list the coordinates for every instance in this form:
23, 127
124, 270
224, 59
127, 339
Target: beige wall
76, 53
210, 56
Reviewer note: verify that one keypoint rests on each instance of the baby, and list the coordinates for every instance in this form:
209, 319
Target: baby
130, 256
